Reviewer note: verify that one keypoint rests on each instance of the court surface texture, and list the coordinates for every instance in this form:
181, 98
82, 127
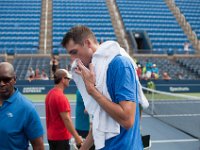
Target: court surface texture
163, 135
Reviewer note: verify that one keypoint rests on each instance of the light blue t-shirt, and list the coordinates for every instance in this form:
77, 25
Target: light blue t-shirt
19, 123
122, 85
82, 119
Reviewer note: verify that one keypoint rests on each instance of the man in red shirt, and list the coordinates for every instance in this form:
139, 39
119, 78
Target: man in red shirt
58, 118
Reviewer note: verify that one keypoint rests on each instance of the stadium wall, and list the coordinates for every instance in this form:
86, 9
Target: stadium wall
41, 86
175, 86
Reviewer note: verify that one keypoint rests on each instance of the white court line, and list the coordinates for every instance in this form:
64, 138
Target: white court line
73, 117
188, 102
45, 117
154, 116
146, 116
178, 115
45, 144
164, 141
42, 104
73, 103
174, 141
174, 115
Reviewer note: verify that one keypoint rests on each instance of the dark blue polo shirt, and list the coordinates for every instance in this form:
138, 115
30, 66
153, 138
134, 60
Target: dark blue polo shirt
19, 123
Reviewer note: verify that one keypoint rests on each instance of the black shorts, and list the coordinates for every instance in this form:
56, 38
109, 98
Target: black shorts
59, 145
82, 133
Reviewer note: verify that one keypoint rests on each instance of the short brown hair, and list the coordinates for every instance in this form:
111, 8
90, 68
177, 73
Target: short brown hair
78, 34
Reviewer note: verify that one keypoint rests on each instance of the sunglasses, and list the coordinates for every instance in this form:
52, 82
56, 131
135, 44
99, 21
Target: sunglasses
6, 80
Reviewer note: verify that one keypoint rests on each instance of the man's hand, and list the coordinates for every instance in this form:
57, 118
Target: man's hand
88, 75
87, 144
78, 141
69, 125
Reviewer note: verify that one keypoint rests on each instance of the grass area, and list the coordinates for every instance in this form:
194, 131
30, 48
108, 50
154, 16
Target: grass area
72, 97
157, 96
192, 94
41, 97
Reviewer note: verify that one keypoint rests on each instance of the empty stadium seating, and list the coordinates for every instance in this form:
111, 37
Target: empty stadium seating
64, 62
21, 65
20, 25
20, 28
156, 19
192, 64
91, 13
171, 66
2, 59
188, 67
191, 10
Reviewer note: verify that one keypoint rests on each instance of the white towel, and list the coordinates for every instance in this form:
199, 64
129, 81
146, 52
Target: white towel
107, 51
104, 127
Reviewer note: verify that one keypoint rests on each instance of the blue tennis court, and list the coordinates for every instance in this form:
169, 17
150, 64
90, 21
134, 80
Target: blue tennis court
163, 135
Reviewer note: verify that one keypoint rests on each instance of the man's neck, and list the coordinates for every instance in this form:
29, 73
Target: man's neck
59, 87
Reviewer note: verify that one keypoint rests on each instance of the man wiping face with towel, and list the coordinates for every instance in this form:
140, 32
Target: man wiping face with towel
107, 80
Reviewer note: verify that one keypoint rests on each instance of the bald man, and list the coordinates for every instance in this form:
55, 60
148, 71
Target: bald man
19, 121
58, 118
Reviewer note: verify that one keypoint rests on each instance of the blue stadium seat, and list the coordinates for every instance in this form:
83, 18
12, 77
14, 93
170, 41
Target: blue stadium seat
69, 13
156, 19
20, 25
191, 10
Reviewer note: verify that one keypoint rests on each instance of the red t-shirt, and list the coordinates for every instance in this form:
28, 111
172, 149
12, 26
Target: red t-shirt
55, 103
139, 72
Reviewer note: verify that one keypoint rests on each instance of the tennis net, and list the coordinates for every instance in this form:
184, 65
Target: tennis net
178, 110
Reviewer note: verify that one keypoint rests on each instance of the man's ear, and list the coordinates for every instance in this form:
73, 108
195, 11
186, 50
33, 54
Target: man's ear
87, 42
15, 79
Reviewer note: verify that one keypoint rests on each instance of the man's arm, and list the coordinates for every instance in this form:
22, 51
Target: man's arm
69, 125
123, 113
37, 143
88, 141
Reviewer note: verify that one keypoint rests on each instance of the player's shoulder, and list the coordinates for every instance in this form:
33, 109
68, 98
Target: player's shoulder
120, 61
